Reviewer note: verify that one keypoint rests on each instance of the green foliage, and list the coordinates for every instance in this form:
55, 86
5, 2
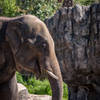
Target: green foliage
84, 2
8, 7
65, 89
39, 8
19, 78
39, 87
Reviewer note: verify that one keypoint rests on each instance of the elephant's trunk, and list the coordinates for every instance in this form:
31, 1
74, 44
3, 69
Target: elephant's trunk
56, 84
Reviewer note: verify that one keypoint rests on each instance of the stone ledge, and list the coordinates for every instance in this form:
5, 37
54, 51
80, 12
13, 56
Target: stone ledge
39, 97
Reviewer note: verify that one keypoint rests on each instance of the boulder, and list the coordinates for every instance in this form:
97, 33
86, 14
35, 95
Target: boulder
24, 95
22, 92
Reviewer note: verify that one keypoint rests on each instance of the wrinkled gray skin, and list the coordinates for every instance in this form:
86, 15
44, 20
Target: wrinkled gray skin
33, 50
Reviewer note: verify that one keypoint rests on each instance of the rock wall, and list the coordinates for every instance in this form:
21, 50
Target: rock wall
76, 32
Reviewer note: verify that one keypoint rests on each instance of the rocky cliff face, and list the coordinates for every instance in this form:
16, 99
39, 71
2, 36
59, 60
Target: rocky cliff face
76, 32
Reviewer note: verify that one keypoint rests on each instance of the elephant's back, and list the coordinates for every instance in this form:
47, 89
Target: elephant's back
5, 19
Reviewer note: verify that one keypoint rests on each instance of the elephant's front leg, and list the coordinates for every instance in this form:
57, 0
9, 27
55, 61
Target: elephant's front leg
8, 90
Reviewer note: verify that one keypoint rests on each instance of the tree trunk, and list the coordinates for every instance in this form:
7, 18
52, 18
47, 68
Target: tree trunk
76, 32
67, 3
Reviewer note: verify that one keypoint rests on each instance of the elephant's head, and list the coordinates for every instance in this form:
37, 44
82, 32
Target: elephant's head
34, 50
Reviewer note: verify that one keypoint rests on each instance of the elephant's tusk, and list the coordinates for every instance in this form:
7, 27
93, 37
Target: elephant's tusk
52, 75
31, 41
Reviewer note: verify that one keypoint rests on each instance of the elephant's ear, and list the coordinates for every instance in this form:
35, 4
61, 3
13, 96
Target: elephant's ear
13, 34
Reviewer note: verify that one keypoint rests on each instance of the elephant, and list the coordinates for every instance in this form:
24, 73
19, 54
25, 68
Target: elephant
25, 43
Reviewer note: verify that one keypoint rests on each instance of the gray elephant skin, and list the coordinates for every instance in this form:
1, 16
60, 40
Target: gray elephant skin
26, 43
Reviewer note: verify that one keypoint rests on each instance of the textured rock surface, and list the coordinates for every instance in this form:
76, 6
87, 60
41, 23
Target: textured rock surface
22, 92
76, 32
24, 95
39, 97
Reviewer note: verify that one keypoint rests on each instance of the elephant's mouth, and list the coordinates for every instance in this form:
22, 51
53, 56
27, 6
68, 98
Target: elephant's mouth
35, 67
30, 66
